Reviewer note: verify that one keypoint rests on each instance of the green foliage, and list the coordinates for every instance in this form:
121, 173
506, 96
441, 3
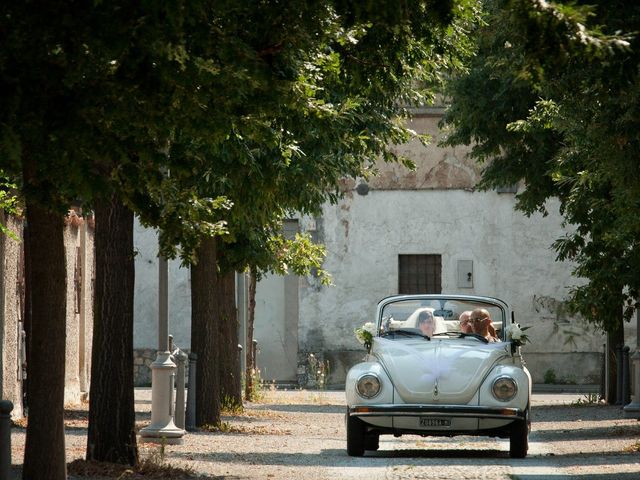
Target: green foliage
550, 376
257, 392
216, 118
551, 100
317, 372
8, 202
588, 399
230, 406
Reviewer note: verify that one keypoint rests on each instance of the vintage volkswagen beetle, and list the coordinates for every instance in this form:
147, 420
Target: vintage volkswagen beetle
450, 383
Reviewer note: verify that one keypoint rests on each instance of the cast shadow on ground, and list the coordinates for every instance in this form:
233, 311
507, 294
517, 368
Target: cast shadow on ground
595, 476
302, 408
330, 457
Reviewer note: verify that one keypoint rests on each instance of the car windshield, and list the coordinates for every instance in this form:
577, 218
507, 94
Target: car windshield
442, 317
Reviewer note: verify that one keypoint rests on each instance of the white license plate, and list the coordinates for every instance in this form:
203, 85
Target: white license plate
435, 422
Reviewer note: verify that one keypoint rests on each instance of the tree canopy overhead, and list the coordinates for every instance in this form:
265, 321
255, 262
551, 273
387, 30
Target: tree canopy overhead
313, 92
202, 117
551, 99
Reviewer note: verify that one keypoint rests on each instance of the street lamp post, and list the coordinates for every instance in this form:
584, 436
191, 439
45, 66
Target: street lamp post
162, 428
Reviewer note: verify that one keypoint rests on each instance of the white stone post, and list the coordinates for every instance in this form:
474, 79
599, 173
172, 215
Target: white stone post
162, 428
181, 360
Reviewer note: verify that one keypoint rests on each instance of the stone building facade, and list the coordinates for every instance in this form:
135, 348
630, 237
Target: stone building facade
476, 242
78, 240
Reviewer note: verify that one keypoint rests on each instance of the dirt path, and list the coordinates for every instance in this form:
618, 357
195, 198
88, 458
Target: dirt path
300, 435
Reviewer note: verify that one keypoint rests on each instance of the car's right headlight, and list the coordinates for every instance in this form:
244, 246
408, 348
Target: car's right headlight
504, 388
368, 385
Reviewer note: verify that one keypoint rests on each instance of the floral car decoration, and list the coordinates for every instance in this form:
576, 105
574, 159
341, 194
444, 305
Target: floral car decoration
428, 374
365, 334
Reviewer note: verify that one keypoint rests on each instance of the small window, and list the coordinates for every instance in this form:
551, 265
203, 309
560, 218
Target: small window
420, 274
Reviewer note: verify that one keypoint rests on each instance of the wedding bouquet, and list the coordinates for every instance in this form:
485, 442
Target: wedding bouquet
516, 334
365, 334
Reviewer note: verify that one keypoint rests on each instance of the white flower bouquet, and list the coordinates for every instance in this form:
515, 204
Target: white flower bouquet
365, 334
516, 334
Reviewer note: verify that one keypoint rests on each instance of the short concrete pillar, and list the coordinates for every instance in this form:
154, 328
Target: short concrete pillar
181, 359
190, 419
5, 438
162, 428
632, 410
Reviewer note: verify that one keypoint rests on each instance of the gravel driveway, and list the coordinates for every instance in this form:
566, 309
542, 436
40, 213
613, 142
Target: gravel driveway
301, 435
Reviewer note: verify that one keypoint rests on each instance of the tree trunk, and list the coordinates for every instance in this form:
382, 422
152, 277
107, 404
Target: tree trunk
44, 456
111, 436
615, 338
204, 333
250, 373
229, 364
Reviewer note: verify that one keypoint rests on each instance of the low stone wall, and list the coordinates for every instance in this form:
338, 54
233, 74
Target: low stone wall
328, 369
142, 360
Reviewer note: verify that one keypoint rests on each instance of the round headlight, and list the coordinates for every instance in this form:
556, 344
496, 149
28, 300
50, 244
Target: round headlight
504, 388
368, 386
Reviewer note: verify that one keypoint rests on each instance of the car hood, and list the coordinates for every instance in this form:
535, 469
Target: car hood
437, 371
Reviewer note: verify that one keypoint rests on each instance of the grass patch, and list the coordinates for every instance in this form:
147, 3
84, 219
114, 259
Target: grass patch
270, 414
230, 406
152, 467
633, 448
589, 399
226, 427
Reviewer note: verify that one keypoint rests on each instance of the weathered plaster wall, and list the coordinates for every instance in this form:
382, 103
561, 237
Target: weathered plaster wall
78, 242
86, 314
10, 312
145, 332
436, 167
511, 259
433, 210
72, 365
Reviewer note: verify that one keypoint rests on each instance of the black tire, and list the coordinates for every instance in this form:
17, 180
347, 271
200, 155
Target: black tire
519, 439
356, 431
372, 441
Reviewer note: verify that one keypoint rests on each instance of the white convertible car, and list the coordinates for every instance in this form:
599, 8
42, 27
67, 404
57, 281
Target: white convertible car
449, 381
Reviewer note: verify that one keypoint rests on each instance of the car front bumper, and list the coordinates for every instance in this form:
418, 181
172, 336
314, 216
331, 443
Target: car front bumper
450, 411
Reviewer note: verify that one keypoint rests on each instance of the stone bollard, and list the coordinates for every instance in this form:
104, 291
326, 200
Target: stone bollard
181, 359
190, 418
5, 438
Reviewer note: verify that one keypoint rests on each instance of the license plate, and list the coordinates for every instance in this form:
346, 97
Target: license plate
435, 422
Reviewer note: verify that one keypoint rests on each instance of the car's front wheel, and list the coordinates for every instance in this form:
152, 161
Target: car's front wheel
519, 439
372, 441
356, 431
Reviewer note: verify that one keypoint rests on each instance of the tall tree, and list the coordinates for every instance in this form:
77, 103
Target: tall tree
203, 306
551, 99
329, 82
272, 102
47, 346
112, 438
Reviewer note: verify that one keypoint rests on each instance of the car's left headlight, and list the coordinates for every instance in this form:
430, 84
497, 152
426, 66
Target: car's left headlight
504, 388
368, 385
